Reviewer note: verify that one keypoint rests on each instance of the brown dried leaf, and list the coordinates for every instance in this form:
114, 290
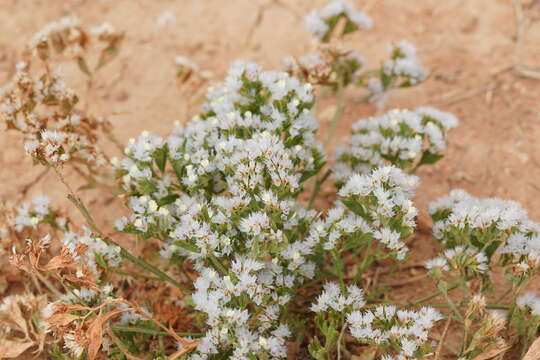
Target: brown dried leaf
87, 283
61, 319
13, 350
490, 354
95, 331
58, 262
534, 351
16, 315
184, 351
3, 284
95, 334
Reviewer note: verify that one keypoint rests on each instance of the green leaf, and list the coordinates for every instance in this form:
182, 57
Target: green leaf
187, 246
169, 199
490, 250
160, 156
148, 187
100, 260
356, 207
316, 350
430, 158
83, 66
349, 28
178, 168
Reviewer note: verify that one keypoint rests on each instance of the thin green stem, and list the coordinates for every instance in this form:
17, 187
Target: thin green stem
452, 305
120, 272
365, 263
435, 294
153, 332
505, 294
123, 252
488, 306
217, 264
337, 113
317, 187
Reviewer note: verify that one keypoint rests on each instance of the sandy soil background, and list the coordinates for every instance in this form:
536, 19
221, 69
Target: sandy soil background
483, 62
483, 57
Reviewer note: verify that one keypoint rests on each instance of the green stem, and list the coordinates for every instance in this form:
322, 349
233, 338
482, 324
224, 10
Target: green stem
452, 305
488, 306
503, 295
153, 332
365, 262
217, 264
120, 272
337, 113
123, 252
317, 187
435, 294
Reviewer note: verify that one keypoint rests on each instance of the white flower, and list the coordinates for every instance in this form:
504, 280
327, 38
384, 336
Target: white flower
398, 136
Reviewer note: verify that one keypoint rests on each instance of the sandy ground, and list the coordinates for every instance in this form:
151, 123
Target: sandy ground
483, 56
471, 48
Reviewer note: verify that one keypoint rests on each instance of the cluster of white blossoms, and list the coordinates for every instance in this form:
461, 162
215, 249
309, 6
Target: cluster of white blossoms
404, 63
222, 298
404, 138
65, 30
529, 302
332, 298
75, 339
327, 67
221, 193
321, 23
88, 250
464, 262
43, 110
373, 206
32, 213
403, 69
68, 35
89, 297
404, 332
489, 224
253, 123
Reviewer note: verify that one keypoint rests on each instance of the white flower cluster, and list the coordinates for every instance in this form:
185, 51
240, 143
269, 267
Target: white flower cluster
402, 137
405, 331
85, 248
378, 205
222, 193
32, 213
69, 35
254, 123
529, 301
81, 296
132, 317
403, 69
66, 29
332, 298
463, 261
220, 297
43, 110
322, 22
404, 63
327, 67
461, 219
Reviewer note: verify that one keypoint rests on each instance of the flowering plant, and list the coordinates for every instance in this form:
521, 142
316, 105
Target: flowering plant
220, 216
